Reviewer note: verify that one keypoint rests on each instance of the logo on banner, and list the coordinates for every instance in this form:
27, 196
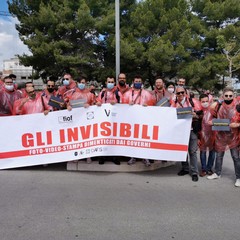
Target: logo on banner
90, 115
108, 112
65, 119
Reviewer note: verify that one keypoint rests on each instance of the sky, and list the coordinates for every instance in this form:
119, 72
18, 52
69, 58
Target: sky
10, 44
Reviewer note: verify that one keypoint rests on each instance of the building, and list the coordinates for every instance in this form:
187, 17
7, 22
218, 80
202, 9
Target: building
23, 73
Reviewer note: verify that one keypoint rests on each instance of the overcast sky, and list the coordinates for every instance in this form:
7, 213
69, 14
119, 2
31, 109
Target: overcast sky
10, 44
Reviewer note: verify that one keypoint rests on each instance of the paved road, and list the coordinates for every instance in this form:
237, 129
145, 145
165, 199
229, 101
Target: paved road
53, 204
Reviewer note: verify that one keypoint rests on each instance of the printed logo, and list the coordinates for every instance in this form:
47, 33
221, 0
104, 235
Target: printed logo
90, 115
65, 119
107, 112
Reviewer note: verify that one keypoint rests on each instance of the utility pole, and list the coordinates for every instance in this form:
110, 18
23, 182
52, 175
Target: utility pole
117, 37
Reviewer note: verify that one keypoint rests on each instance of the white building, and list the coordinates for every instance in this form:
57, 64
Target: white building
23, 73
13, 66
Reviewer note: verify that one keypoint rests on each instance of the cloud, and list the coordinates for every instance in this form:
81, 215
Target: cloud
10, 43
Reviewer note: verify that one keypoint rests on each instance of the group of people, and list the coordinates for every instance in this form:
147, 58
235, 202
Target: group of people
14, 101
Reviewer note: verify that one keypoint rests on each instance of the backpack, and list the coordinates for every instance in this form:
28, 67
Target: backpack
116, 94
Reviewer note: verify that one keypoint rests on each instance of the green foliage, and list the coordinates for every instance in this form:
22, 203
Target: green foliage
158, 37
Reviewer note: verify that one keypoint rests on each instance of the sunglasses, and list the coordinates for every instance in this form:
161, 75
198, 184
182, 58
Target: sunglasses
50, 86
228, 96
65, 79
178, 93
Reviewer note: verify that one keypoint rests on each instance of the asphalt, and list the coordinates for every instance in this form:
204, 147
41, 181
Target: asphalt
50, 203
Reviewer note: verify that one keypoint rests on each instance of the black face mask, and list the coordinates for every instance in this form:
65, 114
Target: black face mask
228, 101
50, 90
121, 83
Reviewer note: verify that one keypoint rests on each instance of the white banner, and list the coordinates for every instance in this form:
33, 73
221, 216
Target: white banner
119, 130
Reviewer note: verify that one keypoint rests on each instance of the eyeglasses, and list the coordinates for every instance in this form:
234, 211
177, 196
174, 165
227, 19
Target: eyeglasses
178, 93
228, 96
50, 86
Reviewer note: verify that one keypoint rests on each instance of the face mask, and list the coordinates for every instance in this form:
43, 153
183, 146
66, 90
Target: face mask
137, 85
205, 105
50, 89
81, 86
121, 83
170, 90
9, 87
228, 101
110, 85
65, 82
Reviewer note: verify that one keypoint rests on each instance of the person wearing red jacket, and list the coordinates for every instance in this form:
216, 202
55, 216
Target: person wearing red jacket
33, 103
8, 95
122, 85
47, 93
110, 94
206, 142
182, 100
67, 84
159, 91
80, 92
227, 139
137, 95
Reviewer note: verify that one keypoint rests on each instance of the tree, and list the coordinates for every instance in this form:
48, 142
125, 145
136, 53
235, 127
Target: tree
158, 37
64, 35
221, 21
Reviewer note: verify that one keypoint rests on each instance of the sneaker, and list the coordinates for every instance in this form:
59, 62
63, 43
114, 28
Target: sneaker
146, 162
209, 172
237, 183
213, 176
194, 178
183, 172
89, 160
202, 173
131, 161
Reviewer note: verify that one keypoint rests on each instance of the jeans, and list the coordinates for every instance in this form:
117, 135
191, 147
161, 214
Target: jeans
207, 165
236, 160
192, 151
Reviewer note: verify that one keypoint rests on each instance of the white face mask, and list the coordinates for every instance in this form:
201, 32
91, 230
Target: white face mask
9, 87
205, 105
170, 90
66, 82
